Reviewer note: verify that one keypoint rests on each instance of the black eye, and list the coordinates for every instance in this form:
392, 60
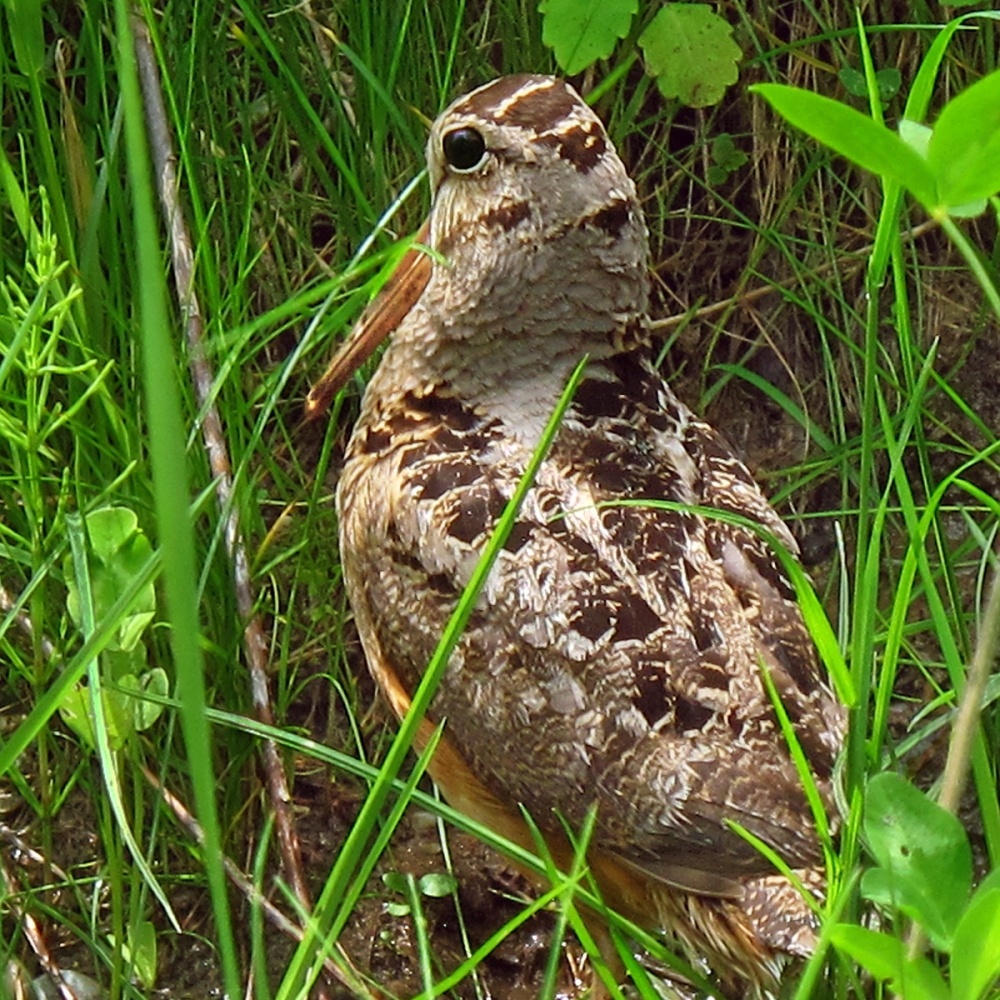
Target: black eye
464, 148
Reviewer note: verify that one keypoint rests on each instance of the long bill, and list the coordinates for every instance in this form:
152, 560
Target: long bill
386, 311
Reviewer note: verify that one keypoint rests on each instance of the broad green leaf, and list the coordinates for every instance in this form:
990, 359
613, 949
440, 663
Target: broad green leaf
918, 138
118, 663
142, 952
988, 884
691, 52
916, 135
118, 717
75, 712
855, 136
119, 550
885, 958
726, 153
580, 32
145, 712
912, 900
75, 709
964, 151
923, 853
889, 80
726, 159
975, 958
969, 209
396, 881
853, 81
437, 884
110, 529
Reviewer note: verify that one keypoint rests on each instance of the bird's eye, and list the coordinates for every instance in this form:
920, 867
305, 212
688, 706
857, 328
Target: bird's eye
464, 148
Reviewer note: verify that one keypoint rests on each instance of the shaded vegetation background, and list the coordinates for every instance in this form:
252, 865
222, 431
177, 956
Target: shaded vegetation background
294, 128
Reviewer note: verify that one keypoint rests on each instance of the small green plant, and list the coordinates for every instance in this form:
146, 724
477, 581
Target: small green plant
140, 951
923, 862
888, 80
923, 871
951, 169
96, 574
726, 157
433, 885
686, 47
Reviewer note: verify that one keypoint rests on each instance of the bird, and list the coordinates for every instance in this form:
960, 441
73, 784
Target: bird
613, 663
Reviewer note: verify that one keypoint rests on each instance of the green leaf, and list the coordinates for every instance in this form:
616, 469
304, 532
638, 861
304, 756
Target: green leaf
916, 136
396, 881
923, 853
24, 18
888, 889
118, 663
716, 176
988, 884
968, 210
888, 81
119, 551
437, 884
726, 159
691, 52
726, 154
76, 711
855, 136
964, 151
580, 32
111, 529
885, 958
853, 81
975, 958
142, 951
145, 713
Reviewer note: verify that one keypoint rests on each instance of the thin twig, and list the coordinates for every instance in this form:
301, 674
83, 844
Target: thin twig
966, 723
254, 637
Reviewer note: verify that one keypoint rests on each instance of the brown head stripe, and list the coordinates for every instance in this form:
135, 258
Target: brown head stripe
544, 102
484, 101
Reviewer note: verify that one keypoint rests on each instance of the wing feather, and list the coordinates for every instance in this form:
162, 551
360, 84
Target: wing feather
615, 653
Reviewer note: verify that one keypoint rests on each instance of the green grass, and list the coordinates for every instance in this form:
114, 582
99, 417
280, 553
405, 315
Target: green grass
870, 357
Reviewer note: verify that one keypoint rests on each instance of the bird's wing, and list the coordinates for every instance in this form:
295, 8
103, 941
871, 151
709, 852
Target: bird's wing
615, 654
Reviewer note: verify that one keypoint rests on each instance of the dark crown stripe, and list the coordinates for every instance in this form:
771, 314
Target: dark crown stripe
541, 108
539, 103
491, 100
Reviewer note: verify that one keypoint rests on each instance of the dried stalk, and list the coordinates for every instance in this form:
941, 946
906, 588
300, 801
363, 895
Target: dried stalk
255, 642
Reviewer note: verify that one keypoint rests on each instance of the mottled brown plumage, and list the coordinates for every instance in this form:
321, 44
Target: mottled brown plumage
614, 658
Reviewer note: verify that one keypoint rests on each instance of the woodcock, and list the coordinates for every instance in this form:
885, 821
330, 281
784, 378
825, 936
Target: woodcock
614, 659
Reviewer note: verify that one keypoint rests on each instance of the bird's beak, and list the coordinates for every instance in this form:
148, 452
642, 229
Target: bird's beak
386, 311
